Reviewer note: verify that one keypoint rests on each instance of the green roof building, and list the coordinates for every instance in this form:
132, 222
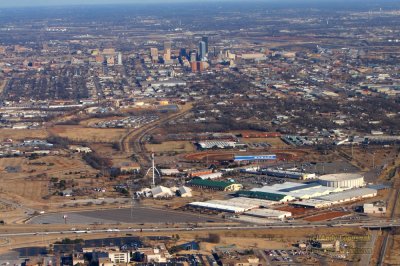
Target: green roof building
264, 195
216, 185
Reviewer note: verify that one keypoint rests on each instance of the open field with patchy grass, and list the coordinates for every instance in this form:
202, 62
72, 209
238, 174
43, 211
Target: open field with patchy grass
172, 146
85, 134
21, 134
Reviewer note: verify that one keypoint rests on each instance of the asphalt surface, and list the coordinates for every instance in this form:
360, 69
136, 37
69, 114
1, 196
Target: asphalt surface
367, 224
129, 215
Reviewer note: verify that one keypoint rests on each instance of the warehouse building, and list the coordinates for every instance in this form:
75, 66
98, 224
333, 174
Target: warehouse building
313, 203
217, 207
264, 195
169, 172
268, 213
350, 195
216, 144
235, 205
161, 192
342, 180
288, 174
215, 185
338, 198
375, 208
184, 192
210, 176
299, 190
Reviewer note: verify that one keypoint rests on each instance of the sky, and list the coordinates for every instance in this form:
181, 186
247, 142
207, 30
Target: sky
30, 3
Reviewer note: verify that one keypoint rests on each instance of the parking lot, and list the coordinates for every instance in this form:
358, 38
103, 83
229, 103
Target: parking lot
128, 122
287, 257
127, 215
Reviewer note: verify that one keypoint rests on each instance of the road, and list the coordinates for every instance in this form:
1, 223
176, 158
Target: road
385, 243
390, 223
137, 146
396, 185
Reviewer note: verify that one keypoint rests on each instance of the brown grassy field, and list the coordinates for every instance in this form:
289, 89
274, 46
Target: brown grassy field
85, 134
172, 146
21, 134
325, 216
29, 185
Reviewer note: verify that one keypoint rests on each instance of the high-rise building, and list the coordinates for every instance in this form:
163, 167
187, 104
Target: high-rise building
182, 52
154, 54
167, 51
167, 55
193, 66
202, 50
120, 59
193, 57
205, 39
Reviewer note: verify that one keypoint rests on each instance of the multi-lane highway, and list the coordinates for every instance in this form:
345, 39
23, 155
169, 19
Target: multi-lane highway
368, 224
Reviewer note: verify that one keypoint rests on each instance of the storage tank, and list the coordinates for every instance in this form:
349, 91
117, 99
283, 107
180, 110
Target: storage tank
342, 180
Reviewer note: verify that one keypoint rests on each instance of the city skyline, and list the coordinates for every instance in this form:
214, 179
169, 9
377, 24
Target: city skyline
41, 3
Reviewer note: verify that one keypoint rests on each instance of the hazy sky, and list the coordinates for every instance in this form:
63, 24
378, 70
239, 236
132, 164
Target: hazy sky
22, 3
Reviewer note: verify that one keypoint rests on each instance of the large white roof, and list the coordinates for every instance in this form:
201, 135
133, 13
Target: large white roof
340, 176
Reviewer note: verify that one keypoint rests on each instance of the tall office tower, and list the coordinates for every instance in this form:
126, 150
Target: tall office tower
120, 59
202, 50
205, 39
167, 55
193, 57
154, 54
167, 51
182, 52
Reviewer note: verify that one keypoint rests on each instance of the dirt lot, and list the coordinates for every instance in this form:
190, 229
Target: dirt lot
79, 133
295, 211
172, 146
325, 216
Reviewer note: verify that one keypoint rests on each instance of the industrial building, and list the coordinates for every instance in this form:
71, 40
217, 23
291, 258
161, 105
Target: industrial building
210, 176
185, 192
217, 206
350, 195
216, 144
215, 185
169, 172
299, 190
235, 205
268, 213
264, 195
338, 198
342, 180
288, 174
375, 208
161, 192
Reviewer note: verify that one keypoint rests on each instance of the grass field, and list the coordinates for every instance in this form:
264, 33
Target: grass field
79, 133
325, 216
21, 134
172, 146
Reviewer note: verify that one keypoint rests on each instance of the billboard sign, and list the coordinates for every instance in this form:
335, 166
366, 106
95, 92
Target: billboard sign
255, 157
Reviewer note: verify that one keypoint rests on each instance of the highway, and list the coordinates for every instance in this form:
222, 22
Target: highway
368, 224
138, 145
384, 246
